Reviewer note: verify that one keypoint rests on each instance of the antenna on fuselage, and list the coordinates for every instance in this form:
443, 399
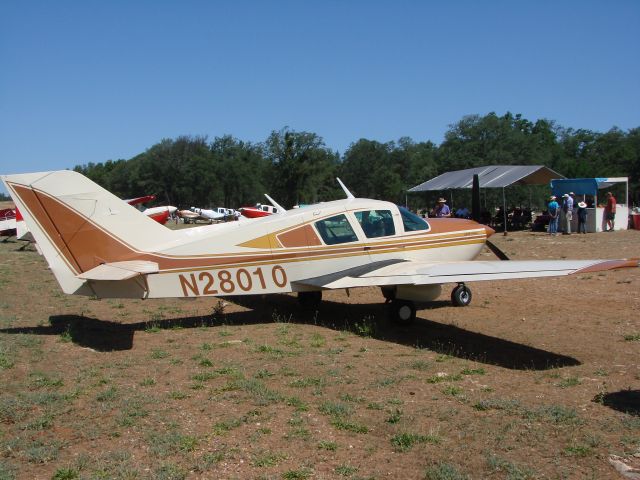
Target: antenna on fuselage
280, 208
346, 190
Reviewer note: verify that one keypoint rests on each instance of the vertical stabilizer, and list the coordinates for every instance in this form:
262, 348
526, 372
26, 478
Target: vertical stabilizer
80, 225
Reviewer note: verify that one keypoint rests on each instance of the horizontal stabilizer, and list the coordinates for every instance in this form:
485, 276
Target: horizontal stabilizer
119, 270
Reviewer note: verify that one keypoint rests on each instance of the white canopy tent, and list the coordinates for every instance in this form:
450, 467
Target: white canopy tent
491, 176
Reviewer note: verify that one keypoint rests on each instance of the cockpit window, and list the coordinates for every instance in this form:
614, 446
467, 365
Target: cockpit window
412, 222
376, 223
335, 230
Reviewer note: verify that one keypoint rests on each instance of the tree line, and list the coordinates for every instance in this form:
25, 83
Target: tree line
298, 167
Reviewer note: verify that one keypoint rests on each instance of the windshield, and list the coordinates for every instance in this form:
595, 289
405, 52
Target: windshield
412, 222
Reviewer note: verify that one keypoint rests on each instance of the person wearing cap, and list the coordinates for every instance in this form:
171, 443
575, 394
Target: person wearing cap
441, 209
567, 213
553, 209
582, 217
610, 213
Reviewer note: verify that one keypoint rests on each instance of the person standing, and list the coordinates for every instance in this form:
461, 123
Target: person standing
610, 212
582, 217
441, 209
554, 209
567, 210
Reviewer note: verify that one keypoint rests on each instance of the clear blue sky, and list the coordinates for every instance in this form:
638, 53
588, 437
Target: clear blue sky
88, 81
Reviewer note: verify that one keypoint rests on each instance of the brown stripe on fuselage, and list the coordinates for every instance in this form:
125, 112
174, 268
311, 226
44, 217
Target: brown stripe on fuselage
86, 245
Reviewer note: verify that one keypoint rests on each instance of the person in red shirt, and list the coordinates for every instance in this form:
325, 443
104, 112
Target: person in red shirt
610, 212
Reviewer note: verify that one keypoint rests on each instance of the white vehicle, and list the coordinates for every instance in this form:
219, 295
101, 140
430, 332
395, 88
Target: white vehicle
98, 245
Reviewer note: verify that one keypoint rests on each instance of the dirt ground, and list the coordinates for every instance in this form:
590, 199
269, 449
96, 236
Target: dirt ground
536, 378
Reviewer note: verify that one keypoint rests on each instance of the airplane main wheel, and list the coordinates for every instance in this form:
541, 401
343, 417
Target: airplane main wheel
461, 295
389, 293
310, 300
402, 311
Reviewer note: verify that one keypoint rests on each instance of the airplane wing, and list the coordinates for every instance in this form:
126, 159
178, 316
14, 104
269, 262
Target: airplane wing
428, 273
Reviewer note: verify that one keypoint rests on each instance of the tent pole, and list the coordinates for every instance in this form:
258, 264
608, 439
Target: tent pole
504, 210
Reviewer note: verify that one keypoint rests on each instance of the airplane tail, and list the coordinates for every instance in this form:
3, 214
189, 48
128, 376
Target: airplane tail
80, 226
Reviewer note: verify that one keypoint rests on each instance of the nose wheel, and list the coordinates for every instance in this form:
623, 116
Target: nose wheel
461, 295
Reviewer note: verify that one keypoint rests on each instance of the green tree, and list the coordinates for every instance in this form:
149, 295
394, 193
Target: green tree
303, 166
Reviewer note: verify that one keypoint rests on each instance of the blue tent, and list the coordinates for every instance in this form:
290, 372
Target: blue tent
582, 186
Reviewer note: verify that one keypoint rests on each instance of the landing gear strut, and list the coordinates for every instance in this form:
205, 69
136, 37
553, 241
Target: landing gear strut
310, 300
461, 295
402, 311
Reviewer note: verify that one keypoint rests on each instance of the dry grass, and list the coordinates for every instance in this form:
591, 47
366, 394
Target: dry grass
533, 380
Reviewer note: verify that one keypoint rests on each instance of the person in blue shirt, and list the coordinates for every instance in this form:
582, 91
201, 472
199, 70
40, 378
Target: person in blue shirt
441, 209
554, 209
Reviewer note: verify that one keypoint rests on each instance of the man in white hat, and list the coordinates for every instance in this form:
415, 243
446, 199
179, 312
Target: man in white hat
582, 217
441, 209
567, 213
554, 209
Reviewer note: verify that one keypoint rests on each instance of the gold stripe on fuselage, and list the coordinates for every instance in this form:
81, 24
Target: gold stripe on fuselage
307, 258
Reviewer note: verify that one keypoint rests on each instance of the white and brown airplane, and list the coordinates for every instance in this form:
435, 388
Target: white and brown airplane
98, 245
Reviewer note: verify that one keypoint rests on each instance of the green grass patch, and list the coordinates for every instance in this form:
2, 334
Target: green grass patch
452, 390
335, 409
569, 382
346, 470
108, 395
158, 353
444, 377
301, 474
472, 371
342, 424
513, 471
395, 416
42, 380
403, 442
267, 459
307, 382
327, 445
147, 382
444, 471
170, 442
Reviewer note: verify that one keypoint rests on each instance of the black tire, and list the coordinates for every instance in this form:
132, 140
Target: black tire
461, 296
310, 300
402, 312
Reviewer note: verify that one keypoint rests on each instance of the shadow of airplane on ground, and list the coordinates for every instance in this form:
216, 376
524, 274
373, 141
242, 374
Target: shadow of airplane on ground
627, 401
362, 319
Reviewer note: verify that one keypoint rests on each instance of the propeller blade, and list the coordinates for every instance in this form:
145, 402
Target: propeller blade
496, 250
475, 198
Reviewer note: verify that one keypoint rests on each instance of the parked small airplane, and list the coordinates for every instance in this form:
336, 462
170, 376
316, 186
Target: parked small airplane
98, 245
200, 214
159, 214
260, 210
7, 222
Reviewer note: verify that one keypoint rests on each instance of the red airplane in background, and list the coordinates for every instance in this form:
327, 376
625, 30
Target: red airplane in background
7, 222
159, 214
